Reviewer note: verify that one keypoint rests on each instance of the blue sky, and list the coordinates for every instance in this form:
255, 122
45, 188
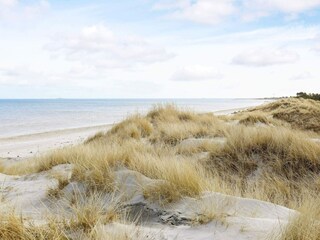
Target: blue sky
158, 48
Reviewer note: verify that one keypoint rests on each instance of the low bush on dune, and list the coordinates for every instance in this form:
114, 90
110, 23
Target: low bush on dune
314, 96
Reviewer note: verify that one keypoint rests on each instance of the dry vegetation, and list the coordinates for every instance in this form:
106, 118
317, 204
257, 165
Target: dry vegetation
256, 118
301, 113
13, 227
79, 220
270, 162
305, 226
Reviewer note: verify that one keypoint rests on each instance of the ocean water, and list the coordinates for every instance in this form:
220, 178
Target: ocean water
23, 117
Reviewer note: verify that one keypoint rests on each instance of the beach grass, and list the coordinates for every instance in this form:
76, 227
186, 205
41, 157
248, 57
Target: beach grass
300, 113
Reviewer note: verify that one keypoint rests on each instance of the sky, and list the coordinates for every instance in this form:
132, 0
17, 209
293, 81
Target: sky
159, 48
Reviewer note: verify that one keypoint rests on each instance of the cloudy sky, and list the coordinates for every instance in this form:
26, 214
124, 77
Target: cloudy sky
158, 48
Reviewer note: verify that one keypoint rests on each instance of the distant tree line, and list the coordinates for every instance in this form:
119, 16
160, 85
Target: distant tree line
314, 96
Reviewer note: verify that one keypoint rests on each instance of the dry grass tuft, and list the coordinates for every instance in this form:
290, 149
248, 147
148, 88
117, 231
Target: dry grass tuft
306, 226
134, 127
88, 212
98, 136
2, 168
212, 211
11, 227
253, 119
63, 181
188, 178
302, 228
271, 164
172, 126
287, 152
162, 193
169, 113
258, 117
14, 227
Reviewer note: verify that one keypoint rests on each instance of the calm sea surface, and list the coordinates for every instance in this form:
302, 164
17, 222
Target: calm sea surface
20, 117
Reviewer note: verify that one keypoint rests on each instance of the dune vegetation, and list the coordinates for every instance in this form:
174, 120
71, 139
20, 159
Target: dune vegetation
270, 153
300, 113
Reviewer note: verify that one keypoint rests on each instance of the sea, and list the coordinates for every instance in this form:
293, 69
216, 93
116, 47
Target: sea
31, 116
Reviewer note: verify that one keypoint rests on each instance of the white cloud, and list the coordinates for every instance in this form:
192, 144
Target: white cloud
215, 11
315, 43
171, 4
30, 75
38, 8
302, 76
292, 6
7, 3
196, 73
20, 75
98, 46
201, 11
253, 9
15, 10
316, 48
110, 63
265, 57
5, 8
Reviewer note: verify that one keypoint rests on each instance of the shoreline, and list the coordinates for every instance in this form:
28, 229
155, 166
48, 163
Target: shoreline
230, 111
22, 147
53, 132
26, 146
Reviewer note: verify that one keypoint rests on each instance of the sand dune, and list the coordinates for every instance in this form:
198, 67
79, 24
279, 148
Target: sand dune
235, 218
167, 175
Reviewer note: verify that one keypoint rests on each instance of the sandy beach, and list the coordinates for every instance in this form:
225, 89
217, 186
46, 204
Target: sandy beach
26, 146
